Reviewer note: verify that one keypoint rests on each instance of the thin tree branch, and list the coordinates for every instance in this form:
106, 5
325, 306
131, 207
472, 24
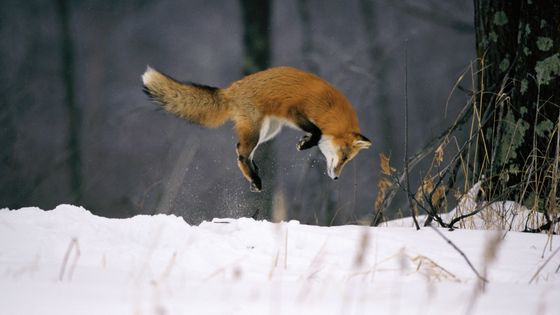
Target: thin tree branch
543, 265
460, 252
406, 135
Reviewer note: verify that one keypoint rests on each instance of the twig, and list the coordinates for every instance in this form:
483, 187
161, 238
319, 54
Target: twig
168, 268
286, 249
477, 210
421, 258
274, 265
545, 227
462, 118
413, 198
460, 252
76, 257
73, 243
406, 136
545, 263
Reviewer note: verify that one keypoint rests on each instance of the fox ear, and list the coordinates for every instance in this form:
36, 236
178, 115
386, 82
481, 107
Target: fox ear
361, 142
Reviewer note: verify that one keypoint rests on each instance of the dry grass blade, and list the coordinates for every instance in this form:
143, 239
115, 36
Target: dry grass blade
490, 254
362, 249
435, 271
386, 168
72, 245
438, 158
279, 210
382, 186
406, 170
168, 268
544, 264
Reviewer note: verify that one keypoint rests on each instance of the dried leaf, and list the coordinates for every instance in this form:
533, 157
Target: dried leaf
382, 186
424, 189
439, 154
363, 249
386, 168
491, 247
438, 195
427, 189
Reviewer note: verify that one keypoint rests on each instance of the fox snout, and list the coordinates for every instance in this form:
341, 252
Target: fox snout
338, 152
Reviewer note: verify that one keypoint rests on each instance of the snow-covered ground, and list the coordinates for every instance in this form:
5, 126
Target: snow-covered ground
499, 215
68, 261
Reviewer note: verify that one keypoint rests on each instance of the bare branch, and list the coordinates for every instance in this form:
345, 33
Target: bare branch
543, 265
406, 135
460, 252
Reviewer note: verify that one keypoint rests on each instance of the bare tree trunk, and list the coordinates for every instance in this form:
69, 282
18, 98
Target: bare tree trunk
256, 35
72, 108
256, 42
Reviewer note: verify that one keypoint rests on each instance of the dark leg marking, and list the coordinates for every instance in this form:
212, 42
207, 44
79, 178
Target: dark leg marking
310, 140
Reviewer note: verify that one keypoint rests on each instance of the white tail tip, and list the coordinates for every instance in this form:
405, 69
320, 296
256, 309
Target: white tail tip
148, 75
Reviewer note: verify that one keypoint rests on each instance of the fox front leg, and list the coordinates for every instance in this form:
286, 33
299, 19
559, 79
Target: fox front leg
310, 140
305, 143
313, 135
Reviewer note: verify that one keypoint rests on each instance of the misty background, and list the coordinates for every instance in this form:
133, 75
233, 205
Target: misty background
113, 152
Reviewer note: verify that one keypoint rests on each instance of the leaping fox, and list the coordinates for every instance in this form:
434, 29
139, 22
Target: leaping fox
259, 105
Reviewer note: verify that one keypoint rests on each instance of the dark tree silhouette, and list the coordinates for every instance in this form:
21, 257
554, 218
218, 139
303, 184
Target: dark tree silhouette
256, 35
518, 47
256, 44
70, 104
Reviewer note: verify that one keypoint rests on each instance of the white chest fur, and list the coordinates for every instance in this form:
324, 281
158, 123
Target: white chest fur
270, 127
330, 152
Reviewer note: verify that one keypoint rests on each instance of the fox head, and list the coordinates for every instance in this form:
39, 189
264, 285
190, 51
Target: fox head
338, 150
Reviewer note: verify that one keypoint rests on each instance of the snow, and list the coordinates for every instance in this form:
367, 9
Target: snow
69, 261
499, 215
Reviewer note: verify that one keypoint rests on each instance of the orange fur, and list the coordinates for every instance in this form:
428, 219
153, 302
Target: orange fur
259, 103
279, 91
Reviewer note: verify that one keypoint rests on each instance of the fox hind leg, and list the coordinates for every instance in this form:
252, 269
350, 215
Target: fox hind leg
248, 168
248, 140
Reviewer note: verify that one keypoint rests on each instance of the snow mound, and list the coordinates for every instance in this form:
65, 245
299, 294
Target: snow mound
69, 261
501, 215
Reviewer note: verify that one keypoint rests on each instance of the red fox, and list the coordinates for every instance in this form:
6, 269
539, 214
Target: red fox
259, 105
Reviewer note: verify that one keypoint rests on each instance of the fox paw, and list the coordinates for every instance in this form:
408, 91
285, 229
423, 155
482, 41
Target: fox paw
303, 143
256, 184
254, 187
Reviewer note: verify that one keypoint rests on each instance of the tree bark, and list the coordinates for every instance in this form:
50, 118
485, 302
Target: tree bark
518, 48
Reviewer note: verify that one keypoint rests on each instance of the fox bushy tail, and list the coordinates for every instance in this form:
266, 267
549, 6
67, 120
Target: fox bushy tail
199, 104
